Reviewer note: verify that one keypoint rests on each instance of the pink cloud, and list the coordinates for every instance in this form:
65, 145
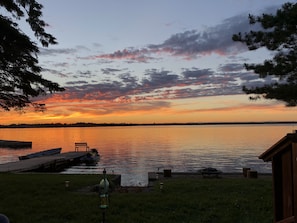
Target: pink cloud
138, 55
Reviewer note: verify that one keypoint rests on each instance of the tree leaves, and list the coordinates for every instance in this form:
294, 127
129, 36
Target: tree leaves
20, 77
279, 35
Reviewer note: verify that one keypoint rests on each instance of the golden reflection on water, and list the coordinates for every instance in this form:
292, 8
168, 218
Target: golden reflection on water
139, 149
142, 137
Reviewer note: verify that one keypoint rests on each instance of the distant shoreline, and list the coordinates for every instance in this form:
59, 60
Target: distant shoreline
82, 124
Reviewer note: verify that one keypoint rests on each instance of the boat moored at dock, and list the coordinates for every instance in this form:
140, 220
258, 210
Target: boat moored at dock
48, 152
51, 163
92, 157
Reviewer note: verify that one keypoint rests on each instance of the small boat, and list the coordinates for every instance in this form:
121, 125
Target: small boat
48, 152
92, 158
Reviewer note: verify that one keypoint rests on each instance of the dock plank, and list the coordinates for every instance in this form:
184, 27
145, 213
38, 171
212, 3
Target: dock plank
41, 162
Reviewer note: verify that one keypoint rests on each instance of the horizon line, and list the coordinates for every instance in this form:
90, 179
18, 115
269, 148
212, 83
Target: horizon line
90, 124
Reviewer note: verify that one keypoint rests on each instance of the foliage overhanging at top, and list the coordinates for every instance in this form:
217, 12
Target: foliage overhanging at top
279, 36
20, 78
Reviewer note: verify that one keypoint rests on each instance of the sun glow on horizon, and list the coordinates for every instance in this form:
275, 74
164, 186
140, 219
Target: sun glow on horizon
182, 66
236, 108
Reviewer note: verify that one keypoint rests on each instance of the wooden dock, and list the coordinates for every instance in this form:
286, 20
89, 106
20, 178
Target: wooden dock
52, 163
15, 144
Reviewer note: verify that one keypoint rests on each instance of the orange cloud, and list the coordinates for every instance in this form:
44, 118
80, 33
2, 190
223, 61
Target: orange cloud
207, 109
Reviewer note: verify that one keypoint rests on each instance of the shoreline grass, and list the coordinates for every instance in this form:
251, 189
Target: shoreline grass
43, 198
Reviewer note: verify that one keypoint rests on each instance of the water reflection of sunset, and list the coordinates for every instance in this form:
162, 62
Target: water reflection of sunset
136, 150
148, 139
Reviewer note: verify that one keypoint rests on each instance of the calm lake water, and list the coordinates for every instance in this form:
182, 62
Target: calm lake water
133, 151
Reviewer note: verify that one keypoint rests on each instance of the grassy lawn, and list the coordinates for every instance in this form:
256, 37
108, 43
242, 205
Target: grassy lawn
43, 198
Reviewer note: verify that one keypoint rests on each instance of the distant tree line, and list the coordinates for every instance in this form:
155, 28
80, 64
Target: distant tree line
82, 124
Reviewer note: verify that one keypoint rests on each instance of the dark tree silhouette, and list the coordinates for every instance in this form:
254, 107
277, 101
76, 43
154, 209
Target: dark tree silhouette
279, 35
20, 78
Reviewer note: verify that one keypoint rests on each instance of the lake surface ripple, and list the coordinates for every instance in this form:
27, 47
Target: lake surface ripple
133, 151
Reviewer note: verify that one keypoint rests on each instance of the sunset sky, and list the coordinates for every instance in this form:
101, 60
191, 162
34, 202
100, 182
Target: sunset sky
132, 61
